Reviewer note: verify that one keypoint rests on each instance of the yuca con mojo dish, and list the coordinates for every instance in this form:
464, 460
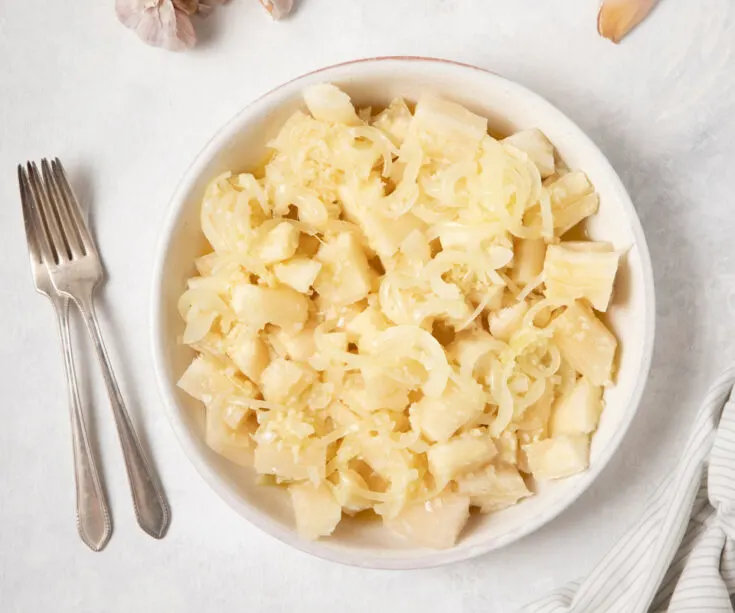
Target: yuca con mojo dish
390, 320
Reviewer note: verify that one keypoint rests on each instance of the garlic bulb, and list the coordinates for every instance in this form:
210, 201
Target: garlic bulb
158, 22
618, 17
167, 23
278, 8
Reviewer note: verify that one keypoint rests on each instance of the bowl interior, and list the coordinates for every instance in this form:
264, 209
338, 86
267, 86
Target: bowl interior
242, 144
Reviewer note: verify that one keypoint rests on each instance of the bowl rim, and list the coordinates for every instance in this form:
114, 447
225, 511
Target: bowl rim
345, 556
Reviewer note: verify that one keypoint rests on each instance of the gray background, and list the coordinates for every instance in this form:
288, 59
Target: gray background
127, 120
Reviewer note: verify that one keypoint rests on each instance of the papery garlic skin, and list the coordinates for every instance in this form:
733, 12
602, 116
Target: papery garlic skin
278, 8
157, 23
190, 7
207, 6
618, 17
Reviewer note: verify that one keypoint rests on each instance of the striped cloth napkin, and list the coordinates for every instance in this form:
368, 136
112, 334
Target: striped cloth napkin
680, 556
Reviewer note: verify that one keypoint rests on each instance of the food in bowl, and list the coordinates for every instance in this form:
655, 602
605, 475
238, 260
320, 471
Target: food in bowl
390, 321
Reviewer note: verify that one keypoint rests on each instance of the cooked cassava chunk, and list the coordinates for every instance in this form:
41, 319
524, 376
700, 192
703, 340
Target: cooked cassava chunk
579, 411
460, 455
586, 343
557, 457
439, 418
494, 487
257, 306
572, 200
574, 273
435, 523
540, 151
298, 273
316, 509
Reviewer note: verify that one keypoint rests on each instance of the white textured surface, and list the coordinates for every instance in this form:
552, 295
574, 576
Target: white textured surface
127, 120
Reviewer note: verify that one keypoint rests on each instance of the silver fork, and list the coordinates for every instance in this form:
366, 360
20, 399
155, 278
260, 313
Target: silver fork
93, 515
71, 257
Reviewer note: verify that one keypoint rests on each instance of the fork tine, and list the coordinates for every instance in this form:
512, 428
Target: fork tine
38, 244
68, 227
73, 207
30, 229
48, 215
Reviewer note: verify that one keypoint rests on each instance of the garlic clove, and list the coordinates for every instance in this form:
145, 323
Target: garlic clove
278, 8
618, 17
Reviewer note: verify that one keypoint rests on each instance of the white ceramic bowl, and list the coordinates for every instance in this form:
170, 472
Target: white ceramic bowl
509, 107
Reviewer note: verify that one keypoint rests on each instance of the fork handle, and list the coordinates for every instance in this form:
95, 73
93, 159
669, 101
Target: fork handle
151, 507
93, 514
